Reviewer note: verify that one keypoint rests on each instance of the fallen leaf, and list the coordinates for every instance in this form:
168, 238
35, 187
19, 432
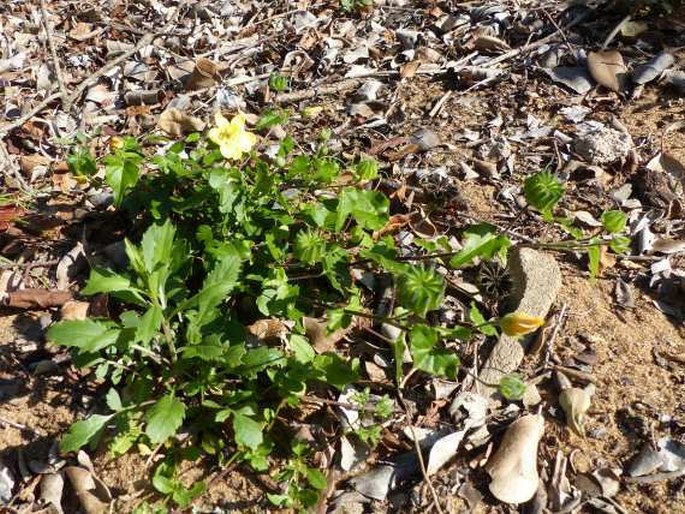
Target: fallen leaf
204, 75
51, 489
444, 450
574, 77
653, 68
177, 123
575, 402
608, 69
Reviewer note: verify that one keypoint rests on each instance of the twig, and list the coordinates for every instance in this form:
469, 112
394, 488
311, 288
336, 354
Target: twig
657, 477
66, 104
19, 426
555, 332
29, 265
532, 46
424, 473
7, 167
615, 31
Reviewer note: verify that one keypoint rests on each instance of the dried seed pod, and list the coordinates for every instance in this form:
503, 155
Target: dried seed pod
575, 402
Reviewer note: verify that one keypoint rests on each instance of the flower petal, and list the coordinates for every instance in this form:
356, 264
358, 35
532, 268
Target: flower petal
231, 152
220, 120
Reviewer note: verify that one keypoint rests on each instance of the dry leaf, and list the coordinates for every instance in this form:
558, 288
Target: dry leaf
513, 467
608, 69
315, 330
575, 402
204, 75
177, 123
92, 498
269, 330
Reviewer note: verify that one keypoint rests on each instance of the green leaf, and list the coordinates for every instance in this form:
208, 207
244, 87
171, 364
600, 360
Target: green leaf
477, 318
81, 162
105, 281
164, 419
338, 372
248, 432
421, 290
620, 244
422, 342
149, 325
157, 245
87, 335
512, 387
121, 173
218, 284
113, 400
309, 247
82, 432
301, 348
316, 478
593, 256
366, 169
543, 191
480, 241
271, 118
278, 82
368, 208
614, 221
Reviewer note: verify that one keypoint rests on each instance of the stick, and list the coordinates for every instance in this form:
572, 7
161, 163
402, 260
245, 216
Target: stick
615, 31
426, 478
55, 60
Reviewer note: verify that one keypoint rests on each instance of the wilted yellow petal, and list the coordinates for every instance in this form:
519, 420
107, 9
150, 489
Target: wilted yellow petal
520, 323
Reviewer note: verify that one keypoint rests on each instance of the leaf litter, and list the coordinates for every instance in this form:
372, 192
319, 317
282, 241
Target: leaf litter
170, 66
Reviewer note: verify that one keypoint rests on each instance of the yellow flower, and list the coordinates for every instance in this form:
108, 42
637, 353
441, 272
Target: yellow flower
520, 323
231, 136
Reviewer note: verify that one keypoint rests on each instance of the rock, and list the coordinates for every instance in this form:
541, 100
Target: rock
536, 282
603, 146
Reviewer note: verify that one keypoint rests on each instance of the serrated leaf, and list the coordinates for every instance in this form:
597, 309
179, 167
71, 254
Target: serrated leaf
421, 290
82, 432
309, 247
164, 419
422, 346
614, 221
218, 284
156, 245
480, 241
105, 281
248, 432
149, 324
543, 191
87, 335
368, 208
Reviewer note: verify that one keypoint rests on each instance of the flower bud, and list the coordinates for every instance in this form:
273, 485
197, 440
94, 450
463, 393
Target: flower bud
519, 323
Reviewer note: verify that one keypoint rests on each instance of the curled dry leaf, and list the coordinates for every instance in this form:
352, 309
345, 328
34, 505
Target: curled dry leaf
513, 467
575, 403
177, 123
91, 493
315, 330
204, 75
608, 69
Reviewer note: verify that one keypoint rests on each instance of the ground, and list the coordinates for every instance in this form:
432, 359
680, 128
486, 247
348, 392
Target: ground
636, 362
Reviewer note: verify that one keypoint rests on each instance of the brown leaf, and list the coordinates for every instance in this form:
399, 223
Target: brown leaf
268, 330
608, 69
315, 329
177, 123
37, 298
204, 75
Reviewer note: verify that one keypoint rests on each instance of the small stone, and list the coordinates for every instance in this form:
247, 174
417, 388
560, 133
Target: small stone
603, 146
